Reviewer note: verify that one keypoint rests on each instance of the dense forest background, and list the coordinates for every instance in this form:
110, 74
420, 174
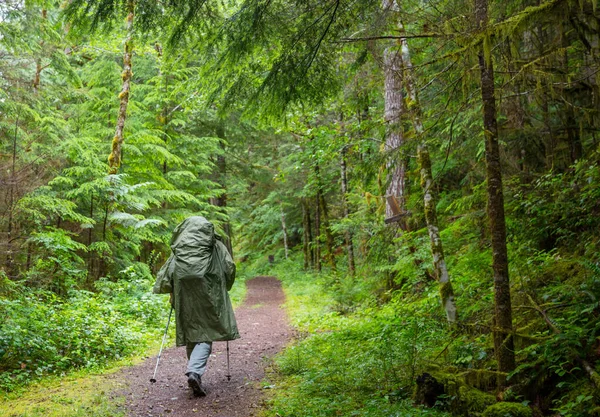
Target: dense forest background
424, 175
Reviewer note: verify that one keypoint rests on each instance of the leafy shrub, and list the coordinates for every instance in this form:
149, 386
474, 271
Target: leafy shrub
43, 334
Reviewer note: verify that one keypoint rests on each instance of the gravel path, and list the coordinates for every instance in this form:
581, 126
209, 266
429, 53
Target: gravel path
264, 330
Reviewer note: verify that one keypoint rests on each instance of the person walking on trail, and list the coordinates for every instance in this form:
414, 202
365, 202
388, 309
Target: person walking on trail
198, 275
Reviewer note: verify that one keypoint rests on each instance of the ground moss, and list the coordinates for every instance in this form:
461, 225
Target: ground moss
474, 401
508, 410
68, 397
482, 379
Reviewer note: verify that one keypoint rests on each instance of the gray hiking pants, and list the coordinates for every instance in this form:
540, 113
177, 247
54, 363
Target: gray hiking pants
198, 354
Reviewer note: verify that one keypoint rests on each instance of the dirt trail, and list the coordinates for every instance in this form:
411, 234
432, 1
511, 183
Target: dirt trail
264, 330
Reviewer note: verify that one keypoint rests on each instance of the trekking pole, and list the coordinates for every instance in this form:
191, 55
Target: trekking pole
153, 380
228, 371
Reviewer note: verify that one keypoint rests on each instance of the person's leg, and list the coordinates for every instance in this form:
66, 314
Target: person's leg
198, 357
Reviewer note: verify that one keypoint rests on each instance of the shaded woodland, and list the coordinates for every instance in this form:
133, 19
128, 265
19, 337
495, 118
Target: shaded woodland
433, 167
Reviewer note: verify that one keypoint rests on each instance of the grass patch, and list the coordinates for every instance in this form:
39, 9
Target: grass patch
352, 363
79, 394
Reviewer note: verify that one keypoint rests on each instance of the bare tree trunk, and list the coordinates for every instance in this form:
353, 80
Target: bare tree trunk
114, 159
503, 339
435, 240
284, 228
393, 120
344, 178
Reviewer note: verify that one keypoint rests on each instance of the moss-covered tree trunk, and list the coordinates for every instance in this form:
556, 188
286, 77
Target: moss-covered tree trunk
317, 233
329, 241
309, 259
115, 157
503, 340
427, 183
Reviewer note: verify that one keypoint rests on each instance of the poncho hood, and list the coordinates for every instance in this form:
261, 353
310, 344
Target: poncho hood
193, 232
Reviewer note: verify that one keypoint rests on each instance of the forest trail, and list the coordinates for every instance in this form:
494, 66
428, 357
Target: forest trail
264, 331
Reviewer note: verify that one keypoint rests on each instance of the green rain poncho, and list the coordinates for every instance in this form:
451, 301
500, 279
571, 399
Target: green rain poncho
199, 273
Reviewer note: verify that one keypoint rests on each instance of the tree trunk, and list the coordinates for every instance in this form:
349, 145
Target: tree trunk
115, 157
344, 178
393, 120
308, 259
435, 240
219, 175
38, 62
317, 233
284, 228
503, 340
11, 202
328, 235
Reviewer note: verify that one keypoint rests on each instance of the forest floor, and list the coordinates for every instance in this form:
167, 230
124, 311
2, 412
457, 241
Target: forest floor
264, 331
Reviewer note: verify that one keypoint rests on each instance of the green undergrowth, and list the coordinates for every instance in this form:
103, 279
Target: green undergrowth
359, 363
43, 334
124, 318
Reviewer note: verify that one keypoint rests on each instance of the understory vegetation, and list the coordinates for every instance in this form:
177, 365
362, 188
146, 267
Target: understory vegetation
424, 177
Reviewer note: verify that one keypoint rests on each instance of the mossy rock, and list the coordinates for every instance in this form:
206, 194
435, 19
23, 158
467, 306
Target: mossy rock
473, 401
508, 410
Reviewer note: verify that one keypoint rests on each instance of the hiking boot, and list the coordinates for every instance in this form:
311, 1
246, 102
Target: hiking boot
195, 383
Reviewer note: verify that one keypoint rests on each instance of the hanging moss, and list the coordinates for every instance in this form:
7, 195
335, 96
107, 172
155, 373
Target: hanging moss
508, 410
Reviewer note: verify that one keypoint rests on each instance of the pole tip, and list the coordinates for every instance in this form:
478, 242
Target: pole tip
153, 380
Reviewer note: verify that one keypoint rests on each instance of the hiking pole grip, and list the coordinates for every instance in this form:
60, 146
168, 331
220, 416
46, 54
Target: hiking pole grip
153, 379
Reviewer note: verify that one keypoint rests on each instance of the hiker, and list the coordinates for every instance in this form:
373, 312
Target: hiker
198, 275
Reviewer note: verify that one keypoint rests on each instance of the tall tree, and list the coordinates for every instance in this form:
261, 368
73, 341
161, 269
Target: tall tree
393, 119
427, 184
114, 159
503, 338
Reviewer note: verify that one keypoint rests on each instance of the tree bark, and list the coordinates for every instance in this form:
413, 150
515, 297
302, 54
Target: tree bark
344, 178
284, 228
503, 339
393, 121
115, 157
11, 203
220, 173
317, 233
38, 62
429, 198
328, 235
308, 259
